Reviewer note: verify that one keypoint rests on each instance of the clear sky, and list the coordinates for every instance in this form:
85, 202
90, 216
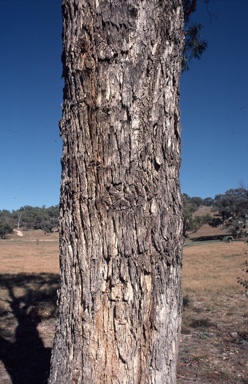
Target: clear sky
30, 102
214, 103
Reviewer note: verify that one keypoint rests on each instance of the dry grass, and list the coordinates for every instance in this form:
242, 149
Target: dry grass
203, 210
214, 340
34, 252
213, 266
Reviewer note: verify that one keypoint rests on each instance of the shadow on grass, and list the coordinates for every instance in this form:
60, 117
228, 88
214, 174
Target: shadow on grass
209, 238
26, 300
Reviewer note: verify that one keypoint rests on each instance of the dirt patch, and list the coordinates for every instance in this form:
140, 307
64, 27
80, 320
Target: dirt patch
18, 232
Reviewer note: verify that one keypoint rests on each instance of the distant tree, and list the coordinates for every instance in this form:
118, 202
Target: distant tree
197, 201
5, 229
216, 222
233, 207
188, 209
193, 222
6, 222
19, 216
208, 201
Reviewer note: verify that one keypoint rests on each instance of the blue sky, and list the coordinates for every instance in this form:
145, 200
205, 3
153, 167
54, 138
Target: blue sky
214, 103
30, 99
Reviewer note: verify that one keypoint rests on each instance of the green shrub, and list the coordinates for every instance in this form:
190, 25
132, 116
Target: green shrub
5, 229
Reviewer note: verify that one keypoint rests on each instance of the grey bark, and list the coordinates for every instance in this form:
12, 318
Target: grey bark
120, 207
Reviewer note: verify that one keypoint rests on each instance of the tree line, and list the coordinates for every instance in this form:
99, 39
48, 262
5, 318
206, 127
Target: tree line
27, 217
231, 211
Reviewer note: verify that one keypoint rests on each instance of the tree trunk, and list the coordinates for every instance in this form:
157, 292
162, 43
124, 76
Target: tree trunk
120, 208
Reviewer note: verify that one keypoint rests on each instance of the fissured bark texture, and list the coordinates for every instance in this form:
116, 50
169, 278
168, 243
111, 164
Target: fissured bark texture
120, 208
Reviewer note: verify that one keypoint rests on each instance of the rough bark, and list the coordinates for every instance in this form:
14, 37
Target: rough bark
120, 207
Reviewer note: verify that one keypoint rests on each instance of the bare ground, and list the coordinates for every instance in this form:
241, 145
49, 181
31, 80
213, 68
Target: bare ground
214, 339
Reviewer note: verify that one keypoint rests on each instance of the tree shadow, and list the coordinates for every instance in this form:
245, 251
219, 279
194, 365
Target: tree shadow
26, 300
209, 238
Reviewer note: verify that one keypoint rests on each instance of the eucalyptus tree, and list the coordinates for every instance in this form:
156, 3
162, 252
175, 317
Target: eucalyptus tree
120, 205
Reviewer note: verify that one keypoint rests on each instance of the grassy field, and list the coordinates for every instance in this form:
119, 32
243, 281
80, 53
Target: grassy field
214, 339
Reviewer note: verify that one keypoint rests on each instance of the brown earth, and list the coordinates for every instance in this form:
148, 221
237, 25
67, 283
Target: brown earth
214, 339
